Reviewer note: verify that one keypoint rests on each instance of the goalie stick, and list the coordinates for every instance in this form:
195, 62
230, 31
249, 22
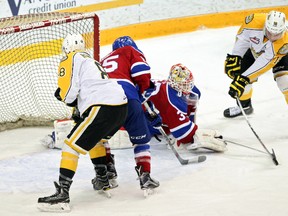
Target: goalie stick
195, 159
272, 155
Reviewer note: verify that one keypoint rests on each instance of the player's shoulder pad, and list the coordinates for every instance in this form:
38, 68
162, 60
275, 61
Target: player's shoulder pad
85, 54
282, 45
126, 50
256, 20
249, 18
133, 50
196, 91
64, 58
68, 55
283, 50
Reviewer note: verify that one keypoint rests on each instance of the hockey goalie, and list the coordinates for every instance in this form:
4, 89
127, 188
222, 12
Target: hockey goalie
175, 103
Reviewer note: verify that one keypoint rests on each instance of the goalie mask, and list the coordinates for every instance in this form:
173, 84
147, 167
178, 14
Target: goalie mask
181, 79
73, 42
275, 25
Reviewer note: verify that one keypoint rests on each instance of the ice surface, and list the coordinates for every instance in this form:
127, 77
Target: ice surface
239, 182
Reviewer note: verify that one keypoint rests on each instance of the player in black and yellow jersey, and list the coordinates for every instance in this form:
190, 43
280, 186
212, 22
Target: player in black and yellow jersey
102, 104
261, 44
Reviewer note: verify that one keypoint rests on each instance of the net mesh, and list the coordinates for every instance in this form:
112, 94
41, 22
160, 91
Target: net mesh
30, 52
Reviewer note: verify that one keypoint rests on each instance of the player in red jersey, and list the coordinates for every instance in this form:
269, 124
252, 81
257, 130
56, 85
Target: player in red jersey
176, 100
127, 64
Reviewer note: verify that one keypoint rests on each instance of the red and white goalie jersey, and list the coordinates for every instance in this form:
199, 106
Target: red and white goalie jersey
177, 112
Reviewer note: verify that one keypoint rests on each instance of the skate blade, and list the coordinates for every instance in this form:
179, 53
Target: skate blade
58, 207
113, 183
105, 193
148, 192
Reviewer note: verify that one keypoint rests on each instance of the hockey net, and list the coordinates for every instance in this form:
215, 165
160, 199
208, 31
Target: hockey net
30, 52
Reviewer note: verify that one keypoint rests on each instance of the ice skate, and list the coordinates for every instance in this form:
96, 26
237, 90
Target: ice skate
58, 202
147, 184
236, 111
100, 182
112, 175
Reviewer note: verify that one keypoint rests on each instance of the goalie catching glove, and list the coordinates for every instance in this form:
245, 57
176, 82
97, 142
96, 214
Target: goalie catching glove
237, 87
233, 65
208, 139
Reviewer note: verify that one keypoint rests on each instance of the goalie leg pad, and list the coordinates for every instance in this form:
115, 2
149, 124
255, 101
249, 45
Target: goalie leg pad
62, 128
209, 139
49, 141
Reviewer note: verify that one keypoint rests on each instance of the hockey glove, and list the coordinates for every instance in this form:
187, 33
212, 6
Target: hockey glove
155, 121
238, 85
233, 65
147, 93
49, 140
153, 118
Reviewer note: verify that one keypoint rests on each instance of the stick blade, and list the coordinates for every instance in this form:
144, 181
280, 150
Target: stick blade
202, 158
274, 158
195, 159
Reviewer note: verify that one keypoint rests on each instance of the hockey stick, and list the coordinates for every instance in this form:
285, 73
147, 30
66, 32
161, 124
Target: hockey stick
248, 147
272, 155
196, 159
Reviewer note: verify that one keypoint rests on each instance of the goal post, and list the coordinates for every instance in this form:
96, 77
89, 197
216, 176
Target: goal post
30, 52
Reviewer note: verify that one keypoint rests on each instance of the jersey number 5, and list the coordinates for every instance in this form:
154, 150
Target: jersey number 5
110, 64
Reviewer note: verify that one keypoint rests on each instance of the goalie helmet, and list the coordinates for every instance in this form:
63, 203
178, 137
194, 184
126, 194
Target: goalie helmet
73, 42
124, 41
181, 79
275, 25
